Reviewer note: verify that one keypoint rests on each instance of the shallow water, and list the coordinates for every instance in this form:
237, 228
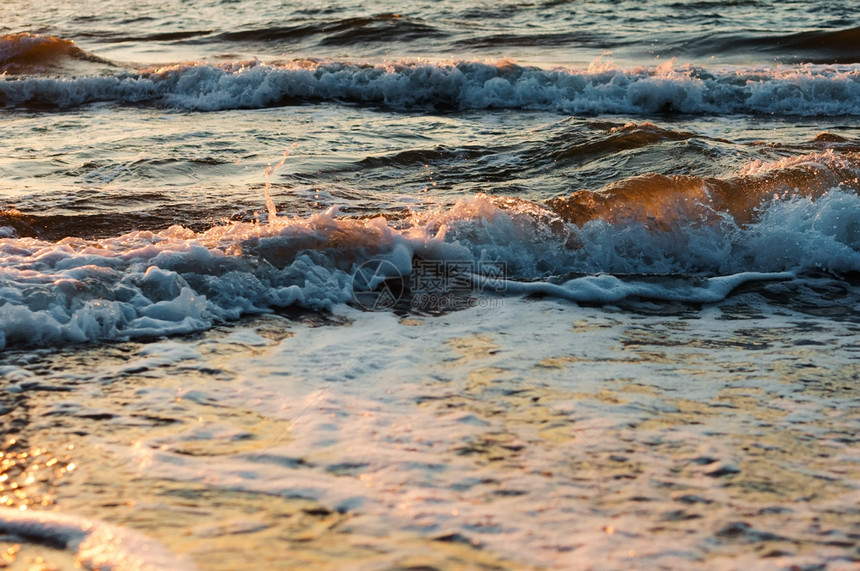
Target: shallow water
582, 437
482, 285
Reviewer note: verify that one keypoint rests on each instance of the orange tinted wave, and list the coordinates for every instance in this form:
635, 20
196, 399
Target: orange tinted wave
31, 53
664, 201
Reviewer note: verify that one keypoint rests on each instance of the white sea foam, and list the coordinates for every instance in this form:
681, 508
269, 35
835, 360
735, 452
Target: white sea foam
809, 90
152, 284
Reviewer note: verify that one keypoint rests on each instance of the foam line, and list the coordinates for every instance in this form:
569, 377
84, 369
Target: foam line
807, 90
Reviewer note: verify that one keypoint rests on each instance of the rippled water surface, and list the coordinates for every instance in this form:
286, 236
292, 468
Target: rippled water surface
440, 285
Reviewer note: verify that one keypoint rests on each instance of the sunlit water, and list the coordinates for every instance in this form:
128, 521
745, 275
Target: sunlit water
444, 285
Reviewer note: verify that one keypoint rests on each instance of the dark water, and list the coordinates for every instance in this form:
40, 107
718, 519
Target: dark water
563, 33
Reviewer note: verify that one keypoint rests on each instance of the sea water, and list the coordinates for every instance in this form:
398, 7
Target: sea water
444, 285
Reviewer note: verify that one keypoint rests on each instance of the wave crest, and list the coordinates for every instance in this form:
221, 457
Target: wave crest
178, 281
662, 202
804, 90
26, 53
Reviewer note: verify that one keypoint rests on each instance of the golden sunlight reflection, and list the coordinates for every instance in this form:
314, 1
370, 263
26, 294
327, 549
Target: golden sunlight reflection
28, 476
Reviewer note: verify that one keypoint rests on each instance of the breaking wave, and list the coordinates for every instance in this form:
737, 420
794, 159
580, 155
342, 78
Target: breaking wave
808, 90
146, 284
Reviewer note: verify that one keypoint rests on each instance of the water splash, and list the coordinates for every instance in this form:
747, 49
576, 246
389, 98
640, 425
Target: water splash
270, 205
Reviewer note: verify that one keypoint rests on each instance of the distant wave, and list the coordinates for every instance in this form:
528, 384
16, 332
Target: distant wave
26, 53
540, 39
791, 90
820, 46
343, 32
157, 37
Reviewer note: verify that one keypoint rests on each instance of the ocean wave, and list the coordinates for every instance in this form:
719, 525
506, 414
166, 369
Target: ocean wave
792, 91
156, 37
819, 46
577, 38
147, 284
384, 27
611, 140
26, 53
663, 201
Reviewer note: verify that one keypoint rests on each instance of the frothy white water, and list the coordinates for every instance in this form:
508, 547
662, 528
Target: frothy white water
809, 90
96, 544
147, 284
